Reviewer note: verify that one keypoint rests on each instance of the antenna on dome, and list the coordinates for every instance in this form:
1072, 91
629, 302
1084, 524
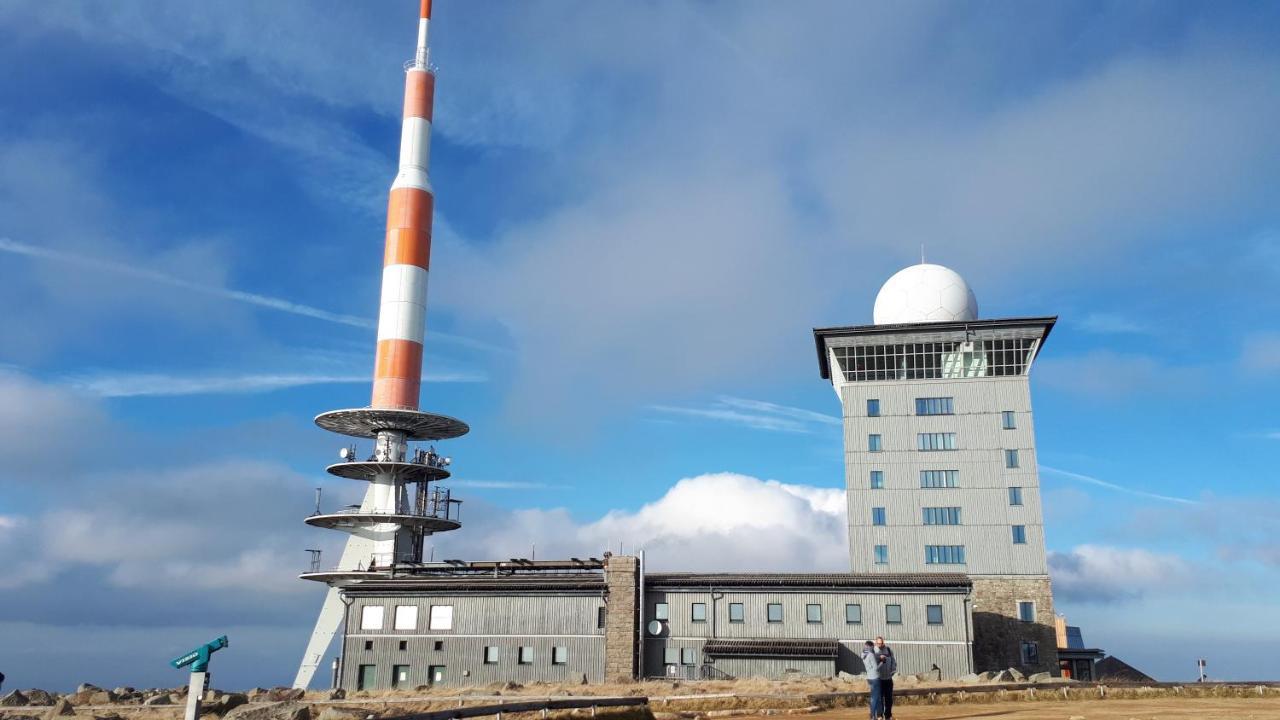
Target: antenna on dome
922, 253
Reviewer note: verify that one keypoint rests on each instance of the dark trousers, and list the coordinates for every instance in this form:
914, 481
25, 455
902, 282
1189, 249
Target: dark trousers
886, 697
876, 705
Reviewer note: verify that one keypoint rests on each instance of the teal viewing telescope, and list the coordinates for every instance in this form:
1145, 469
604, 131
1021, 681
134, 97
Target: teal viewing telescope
198, 659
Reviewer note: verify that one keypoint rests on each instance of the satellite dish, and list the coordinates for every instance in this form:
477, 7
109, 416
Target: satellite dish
345, 453
655, 628
448, 461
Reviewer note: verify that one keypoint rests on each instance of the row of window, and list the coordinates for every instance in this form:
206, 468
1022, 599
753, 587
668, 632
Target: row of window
525, 655
812, 612
372, 617
942, 406
945, 554
991, 357
941, 479
947, 516
934, 442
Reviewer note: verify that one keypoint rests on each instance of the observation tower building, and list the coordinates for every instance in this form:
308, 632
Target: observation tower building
940, 454
404, 502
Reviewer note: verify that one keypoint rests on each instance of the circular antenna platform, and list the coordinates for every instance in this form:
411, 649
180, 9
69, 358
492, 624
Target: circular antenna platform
403, 471
359, 520
368, 422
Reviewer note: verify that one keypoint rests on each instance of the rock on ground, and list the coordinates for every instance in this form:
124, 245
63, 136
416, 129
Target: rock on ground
14, 699
36, 696
287, 710
970, 678
1041, 677
87, 687
1004, 676
337, 694
158, 700
1017, 674
61, 708
333, 713
283, 694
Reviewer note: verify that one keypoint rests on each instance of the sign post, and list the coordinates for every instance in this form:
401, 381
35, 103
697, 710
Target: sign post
198, 659
1200, 664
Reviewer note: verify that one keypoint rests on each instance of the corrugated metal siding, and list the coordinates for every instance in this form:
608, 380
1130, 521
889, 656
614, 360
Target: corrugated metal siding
986, 515
540, 621
920, 645
774, 667
463, 659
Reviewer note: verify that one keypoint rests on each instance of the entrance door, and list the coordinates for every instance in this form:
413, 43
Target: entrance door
364, 680
435, 674
399, 675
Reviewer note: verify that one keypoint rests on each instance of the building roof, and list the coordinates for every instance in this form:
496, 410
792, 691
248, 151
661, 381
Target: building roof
488, 584
827, 649
820, 335
958, 581
1113, 668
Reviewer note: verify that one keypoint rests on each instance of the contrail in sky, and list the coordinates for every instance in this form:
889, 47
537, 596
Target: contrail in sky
1112, 486
265, 301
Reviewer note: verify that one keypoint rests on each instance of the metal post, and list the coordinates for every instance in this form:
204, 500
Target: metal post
195, 693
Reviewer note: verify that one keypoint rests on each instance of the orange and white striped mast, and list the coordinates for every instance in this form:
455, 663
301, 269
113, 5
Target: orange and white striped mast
388, 527
397, 377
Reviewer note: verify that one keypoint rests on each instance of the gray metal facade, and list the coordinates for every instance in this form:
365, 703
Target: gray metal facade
506, 621
917, 644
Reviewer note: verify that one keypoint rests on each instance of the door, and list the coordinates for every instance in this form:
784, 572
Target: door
435, 674
364, 680
399, 675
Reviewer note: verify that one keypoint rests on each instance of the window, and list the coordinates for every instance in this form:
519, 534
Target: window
873, 408
441, 617
939, 478
873, 443
1026, 611
1015, 496
688, 656
853, 614
813, 613
893, 614
399, 675
525, 656
1007, 420
698, 613
944, 554
942, 516
371, 617
1011, 458
1030, 653
491, 654
368, 644
1019, 534
406, 617
559, 655
736, 613
934, 614
933, 406
928, 442
671, 656
877, 516
774, 612
437, 645
989, 357
661, 611
882, 554
877, 479
404, 645
600, 614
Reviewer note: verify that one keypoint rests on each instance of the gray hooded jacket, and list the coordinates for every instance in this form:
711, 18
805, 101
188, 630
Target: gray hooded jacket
870, 665
886, 669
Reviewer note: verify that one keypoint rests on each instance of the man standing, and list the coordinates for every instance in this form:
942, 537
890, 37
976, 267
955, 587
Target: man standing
886, 667
872, 667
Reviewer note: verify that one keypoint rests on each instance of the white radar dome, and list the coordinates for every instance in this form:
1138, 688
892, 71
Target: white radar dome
925, 293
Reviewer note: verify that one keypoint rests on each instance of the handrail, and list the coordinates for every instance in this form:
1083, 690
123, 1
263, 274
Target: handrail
527, 706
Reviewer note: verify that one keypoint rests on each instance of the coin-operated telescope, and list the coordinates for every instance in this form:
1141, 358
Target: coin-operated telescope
198, 659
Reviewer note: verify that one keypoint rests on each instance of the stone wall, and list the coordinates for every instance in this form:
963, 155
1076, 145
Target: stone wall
621, 575
998, 633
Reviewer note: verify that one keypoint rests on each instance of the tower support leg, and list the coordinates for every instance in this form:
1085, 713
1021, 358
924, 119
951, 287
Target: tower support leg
195, 693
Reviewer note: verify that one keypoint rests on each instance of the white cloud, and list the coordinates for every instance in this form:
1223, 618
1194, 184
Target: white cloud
1261, 353
1113, 375
1090, 480
1111, 323
719, 521
1101, 574
755, 414
151, 384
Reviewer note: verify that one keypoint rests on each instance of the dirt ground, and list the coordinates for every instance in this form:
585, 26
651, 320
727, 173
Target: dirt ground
1149, 709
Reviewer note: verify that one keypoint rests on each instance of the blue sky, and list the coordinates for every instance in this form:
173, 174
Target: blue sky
642, 210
